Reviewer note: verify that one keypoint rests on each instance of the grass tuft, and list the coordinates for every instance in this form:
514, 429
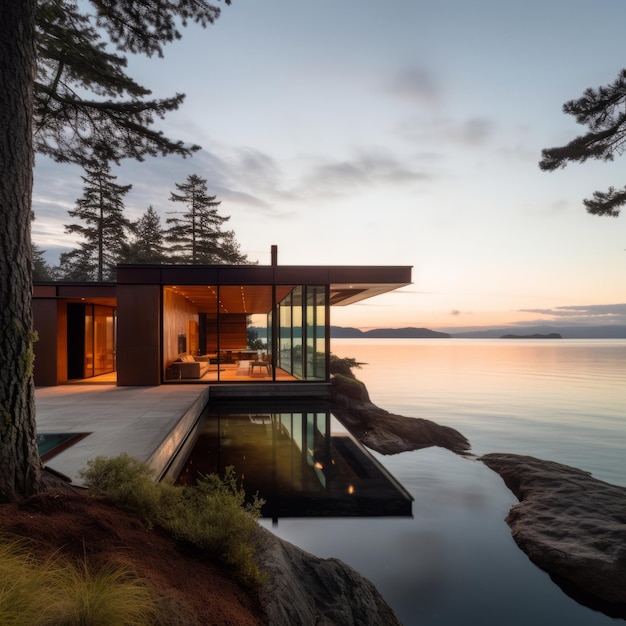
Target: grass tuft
57, 591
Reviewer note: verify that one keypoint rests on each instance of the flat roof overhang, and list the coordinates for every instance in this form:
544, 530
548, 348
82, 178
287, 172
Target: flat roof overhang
348, 284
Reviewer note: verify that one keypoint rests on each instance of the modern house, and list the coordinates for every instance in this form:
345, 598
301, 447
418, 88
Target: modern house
166, 324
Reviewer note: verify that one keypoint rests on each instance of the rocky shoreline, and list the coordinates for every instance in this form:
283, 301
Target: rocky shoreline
568, 523
386, 432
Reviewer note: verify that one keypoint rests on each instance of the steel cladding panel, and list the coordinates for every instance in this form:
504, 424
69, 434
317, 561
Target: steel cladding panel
45, 324
189, 275
301, 275
148, 275
139, 334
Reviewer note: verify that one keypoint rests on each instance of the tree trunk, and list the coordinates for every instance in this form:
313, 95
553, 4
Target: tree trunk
20, 466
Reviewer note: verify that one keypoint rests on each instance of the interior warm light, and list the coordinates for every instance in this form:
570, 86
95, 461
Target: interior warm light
319, 465
350, 489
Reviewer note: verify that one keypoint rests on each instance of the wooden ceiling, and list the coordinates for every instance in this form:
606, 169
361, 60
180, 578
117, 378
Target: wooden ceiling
252, 299
248, 299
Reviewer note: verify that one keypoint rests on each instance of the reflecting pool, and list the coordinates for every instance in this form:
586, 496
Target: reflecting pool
303, 463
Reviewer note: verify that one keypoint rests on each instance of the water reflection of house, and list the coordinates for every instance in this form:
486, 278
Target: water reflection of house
301, 462
171, 323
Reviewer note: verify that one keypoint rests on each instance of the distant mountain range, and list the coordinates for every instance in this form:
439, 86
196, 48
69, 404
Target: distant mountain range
341, 332
566, 332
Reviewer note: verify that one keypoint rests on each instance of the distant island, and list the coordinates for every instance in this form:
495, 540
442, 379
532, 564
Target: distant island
608, 331
534, 336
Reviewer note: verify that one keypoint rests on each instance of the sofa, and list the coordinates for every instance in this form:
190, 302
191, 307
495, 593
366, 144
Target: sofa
187, 366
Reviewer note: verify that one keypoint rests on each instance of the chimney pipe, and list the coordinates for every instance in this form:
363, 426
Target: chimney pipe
274, 252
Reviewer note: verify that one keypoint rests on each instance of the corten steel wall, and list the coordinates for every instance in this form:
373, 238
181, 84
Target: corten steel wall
50, 323
138, 334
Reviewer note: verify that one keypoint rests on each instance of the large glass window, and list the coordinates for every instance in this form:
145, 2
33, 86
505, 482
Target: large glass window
297, 315
302, 315
284, 334
316, 333
103, 340
217, 332
90, 340
229, 330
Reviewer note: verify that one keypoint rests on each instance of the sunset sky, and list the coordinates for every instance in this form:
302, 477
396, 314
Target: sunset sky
399, 133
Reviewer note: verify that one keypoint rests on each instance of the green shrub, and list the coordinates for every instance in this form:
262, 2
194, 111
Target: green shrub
211, 516
58, 592
343, 365
127, 483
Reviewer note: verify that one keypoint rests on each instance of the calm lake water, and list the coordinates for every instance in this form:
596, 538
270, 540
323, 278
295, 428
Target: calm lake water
454, 561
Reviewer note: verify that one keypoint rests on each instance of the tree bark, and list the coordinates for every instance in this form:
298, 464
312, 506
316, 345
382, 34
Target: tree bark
20, 466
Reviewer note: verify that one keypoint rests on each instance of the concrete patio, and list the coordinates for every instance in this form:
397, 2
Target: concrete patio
148, 423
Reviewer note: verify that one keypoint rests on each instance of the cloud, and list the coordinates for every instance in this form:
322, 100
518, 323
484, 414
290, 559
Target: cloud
472, 132
364, 169
585, 314
257, 168
422, 129
416, 85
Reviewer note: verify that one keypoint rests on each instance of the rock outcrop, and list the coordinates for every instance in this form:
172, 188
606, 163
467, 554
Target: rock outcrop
571, 525
386, 432
304, 589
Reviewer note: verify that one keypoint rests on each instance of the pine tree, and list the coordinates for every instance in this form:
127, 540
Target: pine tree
77, 265
602, 110
86, 107
19, 457
69, 128
231, 249
105, 227
41, 269
197, 237
148, 240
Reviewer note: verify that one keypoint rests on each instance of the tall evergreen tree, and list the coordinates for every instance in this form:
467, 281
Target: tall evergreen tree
76, 131
41, 269
147, 243
104, 228
603, 111
77, 265
19, 457
197, 236
231, 249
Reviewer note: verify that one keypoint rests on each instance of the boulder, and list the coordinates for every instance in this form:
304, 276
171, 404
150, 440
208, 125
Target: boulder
304, 589
571, 525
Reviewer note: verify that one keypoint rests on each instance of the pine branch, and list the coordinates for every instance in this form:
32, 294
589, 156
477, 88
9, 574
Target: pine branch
606, 203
